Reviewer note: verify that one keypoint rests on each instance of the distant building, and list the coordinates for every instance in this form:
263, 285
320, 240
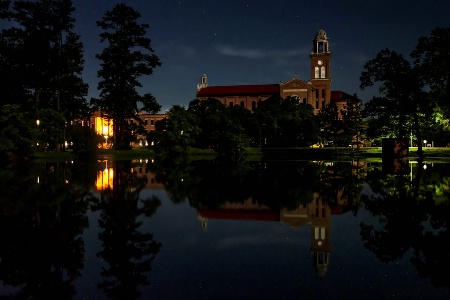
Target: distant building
316, 91
104, 127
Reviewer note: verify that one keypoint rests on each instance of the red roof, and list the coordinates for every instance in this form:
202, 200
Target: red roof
236, 90
230, 214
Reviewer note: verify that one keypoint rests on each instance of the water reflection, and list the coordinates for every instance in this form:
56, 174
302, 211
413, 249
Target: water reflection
127, 251
414, 214
41, 222
45, 211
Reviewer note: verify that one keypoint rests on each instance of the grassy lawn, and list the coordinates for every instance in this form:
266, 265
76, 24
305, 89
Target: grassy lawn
299, 153
52, 156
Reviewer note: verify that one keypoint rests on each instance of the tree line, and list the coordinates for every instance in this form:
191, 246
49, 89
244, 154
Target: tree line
276, 122
41, 63
413, 100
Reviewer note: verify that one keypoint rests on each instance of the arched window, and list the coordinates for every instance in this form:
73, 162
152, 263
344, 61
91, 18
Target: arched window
242, 104
322, 72
316, 71
320, 48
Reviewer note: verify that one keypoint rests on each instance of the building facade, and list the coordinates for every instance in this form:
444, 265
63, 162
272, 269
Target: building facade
316, 91
104, 127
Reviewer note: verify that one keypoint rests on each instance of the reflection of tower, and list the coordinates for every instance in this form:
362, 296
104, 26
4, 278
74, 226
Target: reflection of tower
320, 234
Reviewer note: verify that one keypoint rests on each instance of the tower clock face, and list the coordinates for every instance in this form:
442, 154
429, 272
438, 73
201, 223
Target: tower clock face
319, 62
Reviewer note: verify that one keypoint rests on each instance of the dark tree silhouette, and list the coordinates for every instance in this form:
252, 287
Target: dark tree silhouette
128, 56
128, 252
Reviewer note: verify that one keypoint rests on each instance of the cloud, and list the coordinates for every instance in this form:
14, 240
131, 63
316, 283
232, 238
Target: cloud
260, 53
187, 51
244, 53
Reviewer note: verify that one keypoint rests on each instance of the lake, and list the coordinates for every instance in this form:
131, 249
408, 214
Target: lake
270, 229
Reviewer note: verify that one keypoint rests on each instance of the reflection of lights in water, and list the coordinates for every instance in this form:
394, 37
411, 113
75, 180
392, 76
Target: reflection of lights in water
105, 178
38, 180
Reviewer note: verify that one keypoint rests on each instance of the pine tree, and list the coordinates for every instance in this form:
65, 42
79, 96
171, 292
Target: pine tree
127, 56
41, 60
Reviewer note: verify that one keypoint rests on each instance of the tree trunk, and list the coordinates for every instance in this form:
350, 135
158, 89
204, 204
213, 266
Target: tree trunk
419, 137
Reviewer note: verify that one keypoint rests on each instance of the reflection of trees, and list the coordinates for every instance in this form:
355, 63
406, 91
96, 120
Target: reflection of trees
212, 183
277, 184
220, 181
177, 176
398, 209
127, 251
432, 253
412, 216
341, 183
41, 223
286, 184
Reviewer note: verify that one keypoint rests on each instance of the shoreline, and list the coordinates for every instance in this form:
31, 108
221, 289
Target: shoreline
436, 153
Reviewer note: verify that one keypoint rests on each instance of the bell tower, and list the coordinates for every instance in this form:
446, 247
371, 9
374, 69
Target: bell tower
203, 82
320, 70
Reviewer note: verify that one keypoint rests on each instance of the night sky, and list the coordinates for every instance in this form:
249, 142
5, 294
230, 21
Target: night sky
258, 42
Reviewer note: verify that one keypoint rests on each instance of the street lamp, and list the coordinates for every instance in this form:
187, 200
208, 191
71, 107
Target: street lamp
425, 142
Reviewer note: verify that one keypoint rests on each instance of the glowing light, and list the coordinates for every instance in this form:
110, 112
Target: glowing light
105, 178
104, 126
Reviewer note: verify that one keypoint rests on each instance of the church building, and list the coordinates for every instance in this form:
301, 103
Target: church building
316, 92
